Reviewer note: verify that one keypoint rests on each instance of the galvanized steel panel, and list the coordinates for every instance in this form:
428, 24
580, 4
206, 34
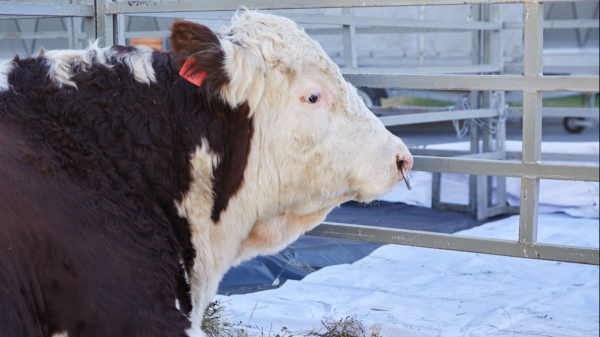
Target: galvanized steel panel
506, 169
457, 242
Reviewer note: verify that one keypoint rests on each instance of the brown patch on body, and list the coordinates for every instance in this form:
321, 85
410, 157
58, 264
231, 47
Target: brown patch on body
229, 175
233, 132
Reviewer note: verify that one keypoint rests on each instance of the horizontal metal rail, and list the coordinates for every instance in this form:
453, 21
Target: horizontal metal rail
556, 69
556, 24
506, 169
463, 243
45, 10
34, 35
558, 156
474, 69
561, 112
392, 22
477, 83
432, 117
546, 156
229, 5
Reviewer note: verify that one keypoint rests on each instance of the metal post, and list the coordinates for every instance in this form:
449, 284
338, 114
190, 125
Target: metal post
119, 29
436, 187
484, 182
532, 121
474, 101
104, 24
90, 30
350, 56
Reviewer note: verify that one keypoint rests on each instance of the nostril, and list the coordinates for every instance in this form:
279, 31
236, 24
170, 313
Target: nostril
405, 161
404, 165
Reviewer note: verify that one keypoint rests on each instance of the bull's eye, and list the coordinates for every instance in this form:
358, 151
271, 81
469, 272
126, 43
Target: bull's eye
312, 98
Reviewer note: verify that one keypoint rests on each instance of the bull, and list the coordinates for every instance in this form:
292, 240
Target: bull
131, 180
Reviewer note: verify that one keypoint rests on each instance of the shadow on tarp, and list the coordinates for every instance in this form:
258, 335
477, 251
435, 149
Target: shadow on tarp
310, 253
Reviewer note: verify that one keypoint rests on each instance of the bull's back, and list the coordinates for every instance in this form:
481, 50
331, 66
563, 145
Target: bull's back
70, 257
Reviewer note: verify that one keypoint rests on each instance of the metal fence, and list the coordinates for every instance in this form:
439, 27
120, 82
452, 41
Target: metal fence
105, 19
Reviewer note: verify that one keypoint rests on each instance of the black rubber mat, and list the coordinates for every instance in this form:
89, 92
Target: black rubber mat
310, 253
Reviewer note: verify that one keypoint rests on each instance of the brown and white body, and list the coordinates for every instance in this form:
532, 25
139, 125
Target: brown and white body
179, 182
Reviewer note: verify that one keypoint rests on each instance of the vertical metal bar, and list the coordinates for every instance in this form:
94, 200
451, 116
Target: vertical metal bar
75, 31
119, 29
90, 30
474, 101
484, 182
501, 147
532, 121
482, 197
349, 31
67, 23
104, 24
421, 38
472, 178
436, 186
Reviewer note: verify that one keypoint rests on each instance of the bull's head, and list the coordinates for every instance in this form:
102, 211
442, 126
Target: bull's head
314, 143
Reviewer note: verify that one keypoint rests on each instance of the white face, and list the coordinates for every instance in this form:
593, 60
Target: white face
313, 131
339, 139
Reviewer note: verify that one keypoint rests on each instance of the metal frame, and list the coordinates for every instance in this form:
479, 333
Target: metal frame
105, 20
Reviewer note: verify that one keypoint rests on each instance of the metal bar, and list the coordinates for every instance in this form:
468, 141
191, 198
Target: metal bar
528, 220
162, 33
506, 169
119, 29
476, 69
561, 112
438, 153
556, 69
482, 197
555, 24
436, 188
43, 10
349, 40
90, 29
31, 36
231, 5
404, 110
453, 207
457, 242
104, 24
476, 60
68, 27
496, 155
432, 117
386, 22
481, 82
381, 30
558, 156
532, 121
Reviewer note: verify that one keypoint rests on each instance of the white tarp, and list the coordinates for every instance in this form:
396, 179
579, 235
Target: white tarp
577, 198
406, 291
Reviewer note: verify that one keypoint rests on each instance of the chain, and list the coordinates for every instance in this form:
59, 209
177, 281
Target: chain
491, 126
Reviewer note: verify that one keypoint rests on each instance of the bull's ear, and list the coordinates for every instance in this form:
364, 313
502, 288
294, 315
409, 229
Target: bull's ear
190, 38
201, 49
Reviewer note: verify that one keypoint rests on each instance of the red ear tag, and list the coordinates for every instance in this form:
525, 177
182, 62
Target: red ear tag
188, 72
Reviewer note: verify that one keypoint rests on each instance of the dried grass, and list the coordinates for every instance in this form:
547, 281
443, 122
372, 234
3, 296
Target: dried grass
217, 323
